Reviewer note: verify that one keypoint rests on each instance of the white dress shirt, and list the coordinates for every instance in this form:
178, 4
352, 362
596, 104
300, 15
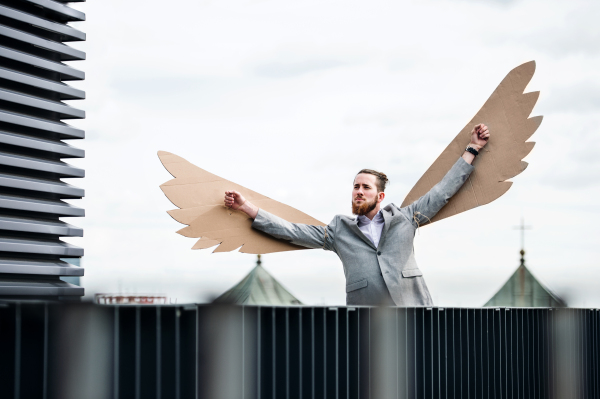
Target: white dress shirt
371, 228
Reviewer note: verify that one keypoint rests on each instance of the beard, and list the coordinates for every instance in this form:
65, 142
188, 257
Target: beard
365, 208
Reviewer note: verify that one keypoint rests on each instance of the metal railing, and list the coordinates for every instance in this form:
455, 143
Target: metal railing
199, 351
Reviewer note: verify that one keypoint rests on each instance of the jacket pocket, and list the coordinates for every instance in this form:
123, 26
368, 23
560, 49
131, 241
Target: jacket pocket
357, 285
411, 273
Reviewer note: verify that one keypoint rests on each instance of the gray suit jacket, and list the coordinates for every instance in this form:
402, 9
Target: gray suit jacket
388, 274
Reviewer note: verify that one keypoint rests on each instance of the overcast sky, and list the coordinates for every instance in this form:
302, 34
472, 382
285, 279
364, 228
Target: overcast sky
292, 98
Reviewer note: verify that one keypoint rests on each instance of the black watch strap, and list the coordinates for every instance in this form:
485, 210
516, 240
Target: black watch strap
472, 150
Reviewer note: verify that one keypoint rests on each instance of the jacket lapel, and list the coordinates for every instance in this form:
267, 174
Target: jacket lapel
356, 230
387, 220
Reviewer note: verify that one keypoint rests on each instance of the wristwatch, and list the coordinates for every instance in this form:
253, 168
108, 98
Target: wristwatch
472, 150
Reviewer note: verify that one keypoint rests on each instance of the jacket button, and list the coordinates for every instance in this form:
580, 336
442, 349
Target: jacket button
378, 252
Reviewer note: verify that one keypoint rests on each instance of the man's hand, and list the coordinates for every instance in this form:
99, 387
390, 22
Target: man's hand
236, 201
479, 136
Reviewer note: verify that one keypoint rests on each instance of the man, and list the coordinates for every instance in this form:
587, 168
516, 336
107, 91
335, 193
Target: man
376, 248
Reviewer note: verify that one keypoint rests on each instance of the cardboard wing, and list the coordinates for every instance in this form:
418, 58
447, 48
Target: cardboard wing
199, 196
506, 113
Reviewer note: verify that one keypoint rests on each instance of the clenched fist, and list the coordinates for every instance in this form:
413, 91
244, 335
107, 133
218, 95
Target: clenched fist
479, 136
234, 200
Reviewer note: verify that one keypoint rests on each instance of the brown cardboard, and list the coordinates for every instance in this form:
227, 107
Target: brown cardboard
506, 113
199, 195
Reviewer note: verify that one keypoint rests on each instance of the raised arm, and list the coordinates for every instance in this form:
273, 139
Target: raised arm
305, 235
422, 210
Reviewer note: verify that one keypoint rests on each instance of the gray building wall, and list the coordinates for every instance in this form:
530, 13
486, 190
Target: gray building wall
33, 135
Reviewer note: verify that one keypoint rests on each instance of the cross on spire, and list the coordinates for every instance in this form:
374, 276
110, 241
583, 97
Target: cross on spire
522, 227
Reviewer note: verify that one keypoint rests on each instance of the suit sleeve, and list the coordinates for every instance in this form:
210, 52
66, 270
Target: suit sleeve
426, 207
300, 234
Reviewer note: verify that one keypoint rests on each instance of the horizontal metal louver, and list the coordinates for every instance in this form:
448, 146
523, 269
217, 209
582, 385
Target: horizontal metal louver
33, 36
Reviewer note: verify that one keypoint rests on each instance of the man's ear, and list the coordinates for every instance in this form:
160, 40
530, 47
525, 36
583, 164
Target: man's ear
380, 197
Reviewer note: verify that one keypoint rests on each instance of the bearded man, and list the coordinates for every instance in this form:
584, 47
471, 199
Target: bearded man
376, 247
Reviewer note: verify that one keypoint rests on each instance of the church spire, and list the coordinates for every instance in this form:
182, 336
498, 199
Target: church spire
522, 227
522, 252
522, 289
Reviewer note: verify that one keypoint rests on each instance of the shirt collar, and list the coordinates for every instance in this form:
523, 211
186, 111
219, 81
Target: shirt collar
363, 220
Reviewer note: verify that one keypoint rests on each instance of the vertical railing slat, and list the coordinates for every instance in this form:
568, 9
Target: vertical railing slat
177, 354
45, 375
17, 375
158, 353
138, 354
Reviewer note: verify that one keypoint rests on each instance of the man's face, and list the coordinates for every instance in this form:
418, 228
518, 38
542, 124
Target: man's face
364, 194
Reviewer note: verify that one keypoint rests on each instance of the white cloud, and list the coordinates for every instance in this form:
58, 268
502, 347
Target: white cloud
292, 98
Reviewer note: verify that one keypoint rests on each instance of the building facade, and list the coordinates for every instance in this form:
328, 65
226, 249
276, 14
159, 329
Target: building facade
33, 144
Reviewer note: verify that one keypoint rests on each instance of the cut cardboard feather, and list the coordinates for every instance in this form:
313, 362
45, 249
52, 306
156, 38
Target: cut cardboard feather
506, 113
199, 195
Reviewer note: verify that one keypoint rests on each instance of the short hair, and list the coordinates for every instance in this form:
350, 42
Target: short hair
381, 180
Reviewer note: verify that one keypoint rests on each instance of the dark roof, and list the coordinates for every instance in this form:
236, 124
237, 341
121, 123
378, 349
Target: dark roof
258, 288
523, 290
